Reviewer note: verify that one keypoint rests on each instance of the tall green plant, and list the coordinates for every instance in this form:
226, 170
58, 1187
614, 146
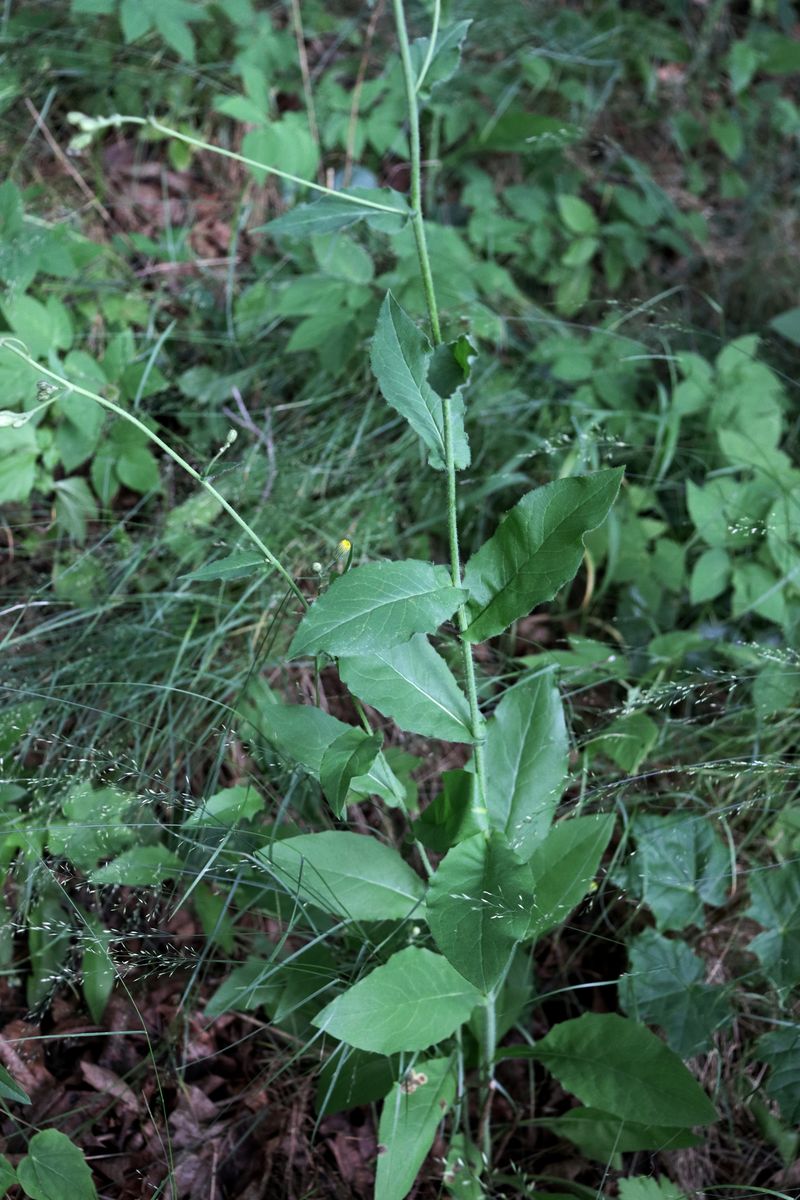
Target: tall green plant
435, 1010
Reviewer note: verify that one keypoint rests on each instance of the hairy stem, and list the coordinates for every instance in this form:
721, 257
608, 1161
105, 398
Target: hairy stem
418, 224
18, 348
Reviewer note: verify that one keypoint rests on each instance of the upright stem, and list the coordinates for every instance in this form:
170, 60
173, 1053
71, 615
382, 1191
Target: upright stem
14, 346
418, 225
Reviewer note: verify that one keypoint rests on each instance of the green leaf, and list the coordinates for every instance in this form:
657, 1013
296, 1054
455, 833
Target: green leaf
586, 661
350, 1078
743, 61
75, 506
227, 807
286, 144
450, 366
478, 907
682, 865
535, 550
78, 434
708, 513
526, 762
95, 825
414, 686
727, 133
30, 320
347, 874
137, 469
615, 1064
787, 324
627, 741
98, 968
375, 606
134, 19
175, 32
141, 866
302, 733
17, 721
756, 589
645, 1187
410, 1117
463, 1169
10, 1089
665, 986
780, 1050
601, 1136
55, 1169
332, 213
349, 756
299, 732
775, 689
401, 357
449, 818
775, 904
412, 1001
563, 866
233, 566
241, 108
8, 1176
246, 988
18, 455
711, 576
340, 256
577, 215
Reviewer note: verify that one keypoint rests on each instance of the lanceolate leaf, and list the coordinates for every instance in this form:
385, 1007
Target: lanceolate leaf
10, 1089
526, 762
414, 686
303, 733
563, 866
600, 1135
349, 756
347, 874
478, 907
400, 359
332, 213
619, 1066
409, 1120
233, 566
446, 55
375, 606
412, 1001
535, 550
